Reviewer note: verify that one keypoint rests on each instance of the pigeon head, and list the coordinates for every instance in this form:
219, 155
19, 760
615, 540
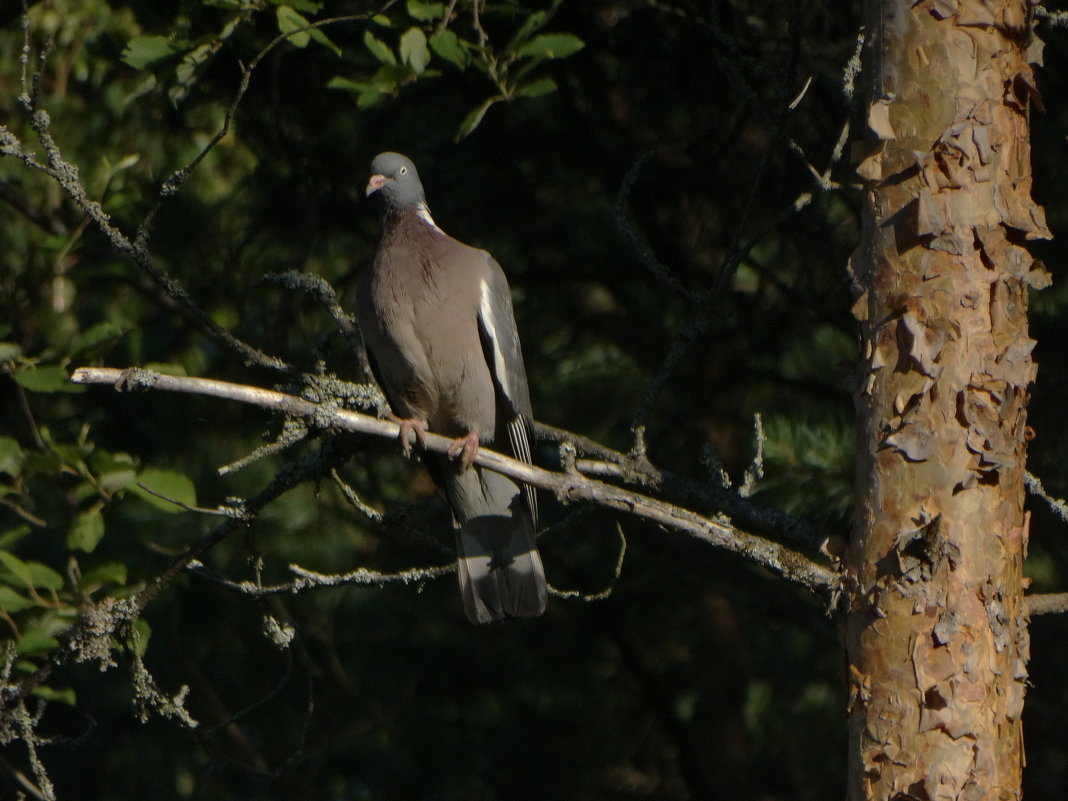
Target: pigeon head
393, 176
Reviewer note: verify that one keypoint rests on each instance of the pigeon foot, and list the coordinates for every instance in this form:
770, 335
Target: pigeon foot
465, 449
408, 427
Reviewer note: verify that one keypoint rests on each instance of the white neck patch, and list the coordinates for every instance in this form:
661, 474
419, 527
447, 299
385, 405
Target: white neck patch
422, 211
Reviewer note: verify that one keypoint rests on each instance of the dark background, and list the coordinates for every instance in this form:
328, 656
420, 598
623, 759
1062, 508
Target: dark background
701, 676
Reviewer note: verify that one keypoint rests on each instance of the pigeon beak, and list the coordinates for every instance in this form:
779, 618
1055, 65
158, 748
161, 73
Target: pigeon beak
376, 183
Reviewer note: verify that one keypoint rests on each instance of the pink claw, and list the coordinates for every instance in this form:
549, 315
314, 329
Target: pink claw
466, 448
409, 426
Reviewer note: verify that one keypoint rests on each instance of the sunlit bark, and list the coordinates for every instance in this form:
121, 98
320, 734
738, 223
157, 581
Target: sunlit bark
936, 632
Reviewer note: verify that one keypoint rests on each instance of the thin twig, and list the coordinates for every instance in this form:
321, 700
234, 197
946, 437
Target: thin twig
641, 247
22, 780
311, 580
1058, 506
607, 591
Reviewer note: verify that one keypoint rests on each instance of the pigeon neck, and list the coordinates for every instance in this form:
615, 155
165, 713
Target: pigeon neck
411, 213
422, 211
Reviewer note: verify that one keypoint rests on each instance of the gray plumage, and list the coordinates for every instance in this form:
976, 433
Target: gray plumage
437, 320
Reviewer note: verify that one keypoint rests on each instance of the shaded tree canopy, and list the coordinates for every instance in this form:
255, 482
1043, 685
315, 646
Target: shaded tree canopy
670, 188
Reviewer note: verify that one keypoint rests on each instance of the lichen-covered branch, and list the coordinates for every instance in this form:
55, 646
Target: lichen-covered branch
569, 486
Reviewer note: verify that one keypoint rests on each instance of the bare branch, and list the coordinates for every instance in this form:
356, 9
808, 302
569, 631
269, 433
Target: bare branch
24, 725
1058, 19
354, 499
309, 579
181, 504
687, 335
1058, 506
293, 431
583, 445
22, 780
1055, 603
320, 290
755, 470
852, 67
616, 573
641, 247
149, 698
568, 487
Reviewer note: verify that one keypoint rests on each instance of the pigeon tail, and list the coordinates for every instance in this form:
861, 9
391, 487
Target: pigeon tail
499, 568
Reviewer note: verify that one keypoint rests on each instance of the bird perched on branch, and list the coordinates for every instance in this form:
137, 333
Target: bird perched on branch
437, 320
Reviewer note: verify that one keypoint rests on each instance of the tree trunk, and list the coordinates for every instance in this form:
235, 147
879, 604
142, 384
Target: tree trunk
936, 632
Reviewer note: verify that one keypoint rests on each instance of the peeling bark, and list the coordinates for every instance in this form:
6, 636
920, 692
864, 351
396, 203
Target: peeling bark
936, 631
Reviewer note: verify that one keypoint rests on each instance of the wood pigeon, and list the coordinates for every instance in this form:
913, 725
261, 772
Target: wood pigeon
436, 317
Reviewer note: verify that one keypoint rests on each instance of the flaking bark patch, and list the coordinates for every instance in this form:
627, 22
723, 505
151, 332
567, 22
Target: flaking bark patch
935, 632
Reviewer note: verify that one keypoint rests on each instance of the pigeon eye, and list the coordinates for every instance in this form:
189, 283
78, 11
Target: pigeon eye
403, 170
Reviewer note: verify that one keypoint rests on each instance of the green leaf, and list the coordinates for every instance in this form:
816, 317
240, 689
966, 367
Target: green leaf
97, 340
12, 457
382, 21
318, 36
9, 351
552, 45
449, 46
425, 12
13, 535
379, 49
65, 695
289, 20
35, 640
65, 453
474, 117
107, 172
536, 88
17, 569
144, 632
51, 378
367, 93
413, 49
170, 484
11, 601
142, 51
108, 572
87, 531
307, 6
30, 574
113, 470
371, 97
533, 23
347, 84
185, 72
44, 577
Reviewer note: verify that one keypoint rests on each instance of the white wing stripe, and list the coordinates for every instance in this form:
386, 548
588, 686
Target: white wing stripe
489, 320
